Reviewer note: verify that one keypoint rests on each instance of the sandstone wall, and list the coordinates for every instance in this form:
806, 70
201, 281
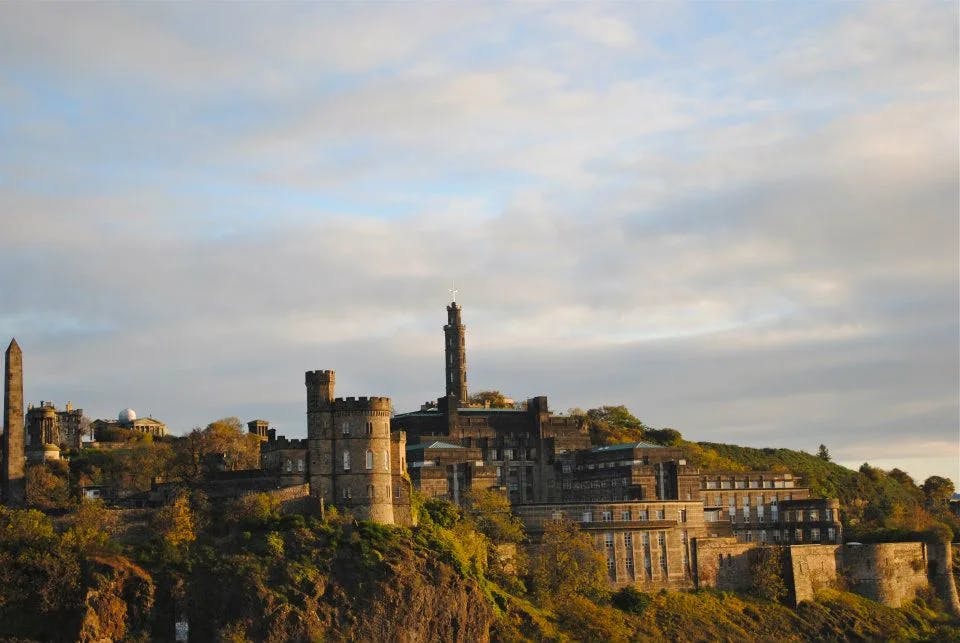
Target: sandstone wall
814, 567
889, 573
723, 563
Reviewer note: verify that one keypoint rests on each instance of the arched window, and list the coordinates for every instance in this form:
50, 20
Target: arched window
386, 460
370, 491
369, 459
346, 460
300, 465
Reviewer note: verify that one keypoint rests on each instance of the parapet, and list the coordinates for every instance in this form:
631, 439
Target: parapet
361, 404
320, 377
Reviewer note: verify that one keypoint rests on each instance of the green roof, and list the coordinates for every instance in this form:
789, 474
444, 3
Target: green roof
627, 445
437, 444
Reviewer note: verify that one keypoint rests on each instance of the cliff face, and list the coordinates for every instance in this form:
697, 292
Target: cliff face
301, 585
117, 602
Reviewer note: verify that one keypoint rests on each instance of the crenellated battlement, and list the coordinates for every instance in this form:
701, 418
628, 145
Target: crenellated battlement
363, 403
320, 377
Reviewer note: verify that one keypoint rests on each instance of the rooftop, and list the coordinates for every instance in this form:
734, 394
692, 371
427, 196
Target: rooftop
436, 444
627, 445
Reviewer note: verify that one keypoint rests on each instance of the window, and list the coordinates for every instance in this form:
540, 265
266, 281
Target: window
396, 492
711, 484
815, 535
289, 466
386, 460
508, 454
814, 515
659, 514
628, 540
369, 428
642, 514
556, 516
625, 515
370, 492
608, 540
606, 516
611, 568
586, 517
831, 534
345, 429
346, 460
798, 535
368, 459
300, 465
347, 494
683, 515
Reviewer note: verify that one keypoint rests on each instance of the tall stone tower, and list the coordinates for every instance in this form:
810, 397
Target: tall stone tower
363, 478
14, 483
321, 444
349, 449
456, 355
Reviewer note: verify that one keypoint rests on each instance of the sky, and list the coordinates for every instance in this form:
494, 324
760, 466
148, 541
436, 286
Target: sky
738, 219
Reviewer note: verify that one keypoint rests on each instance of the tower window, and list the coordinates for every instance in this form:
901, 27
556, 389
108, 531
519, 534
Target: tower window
369, 459
386, 460
346, 460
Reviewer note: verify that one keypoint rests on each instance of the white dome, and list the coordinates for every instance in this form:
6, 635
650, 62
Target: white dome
127, 416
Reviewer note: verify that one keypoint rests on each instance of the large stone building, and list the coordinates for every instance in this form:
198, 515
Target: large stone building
644, 504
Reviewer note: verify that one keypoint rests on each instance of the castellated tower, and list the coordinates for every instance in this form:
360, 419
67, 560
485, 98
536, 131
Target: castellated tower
14, 483
455, 354
350, 450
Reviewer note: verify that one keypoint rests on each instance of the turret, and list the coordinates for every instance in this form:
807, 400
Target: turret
455, 354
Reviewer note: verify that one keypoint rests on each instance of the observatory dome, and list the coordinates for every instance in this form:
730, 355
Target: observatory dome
127, 416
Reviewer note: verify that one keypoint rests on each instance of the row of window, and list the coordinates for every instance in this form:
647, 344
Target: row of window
372, 493
346, 431
748, 484
611, 554
776, 535
368, 460
624, 515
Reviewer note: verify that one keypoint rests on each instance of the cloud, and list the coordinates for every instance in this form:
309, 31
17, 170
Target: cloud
638, 206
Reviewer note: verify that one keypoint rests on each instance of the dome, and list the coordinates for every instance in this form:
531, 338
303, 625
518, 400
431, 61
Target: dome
127, 416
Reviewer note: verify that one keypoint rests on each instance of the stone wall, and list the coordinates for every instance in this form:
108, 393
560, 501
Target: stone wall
889, 573
723, 563
814, 567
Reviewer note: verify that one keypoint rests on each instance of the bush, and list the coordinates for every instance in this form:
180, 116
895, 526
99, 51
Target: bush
630, 599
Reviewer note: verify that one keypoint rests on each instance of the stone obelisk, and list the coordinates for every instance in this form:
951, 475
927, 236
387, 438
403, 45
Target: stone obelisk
14, 482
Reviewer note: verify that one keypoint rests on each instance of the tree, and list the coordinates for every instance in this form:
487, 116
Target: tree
566, 563
175, 522
240, 449
90, 528
766, 573
48, 486
492, 399
490, 512
823, 453
611, 425
937, 491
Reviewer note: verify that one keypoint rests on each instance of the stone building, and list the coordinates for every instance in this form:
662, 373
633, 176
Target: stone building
50, 430
105, 430
355, 461
643, 503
